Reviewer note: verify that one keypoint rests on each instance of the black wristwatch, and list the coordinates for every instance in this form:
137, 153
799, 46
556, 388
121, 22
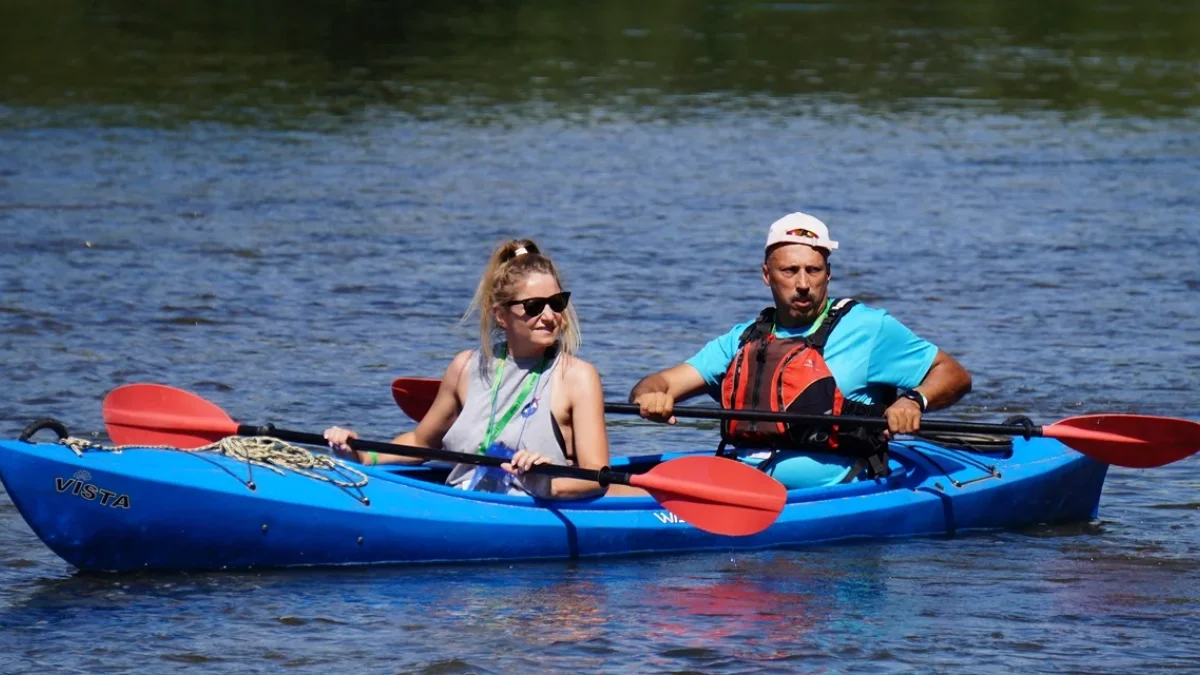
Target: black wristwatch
914, 395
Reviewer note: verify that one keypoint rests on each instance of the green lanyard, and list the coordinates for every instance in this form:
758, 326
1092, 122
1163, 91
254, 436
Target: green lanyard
816, 324
494, 428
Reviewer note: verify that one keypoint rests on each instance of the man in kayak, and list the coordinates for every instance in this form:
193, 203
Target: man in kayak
523, 394
811, 354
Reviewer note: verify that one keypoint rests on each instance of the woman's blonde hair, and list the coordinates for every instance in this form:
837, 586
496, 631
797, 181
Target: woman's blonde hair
510, 263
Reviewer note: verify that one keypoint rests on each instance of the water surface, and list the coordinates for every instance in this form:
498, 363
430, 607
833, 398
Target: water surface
283, 206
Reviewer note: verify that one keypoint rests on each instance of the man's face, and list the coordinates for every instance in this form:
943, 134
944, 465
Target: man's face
799, 279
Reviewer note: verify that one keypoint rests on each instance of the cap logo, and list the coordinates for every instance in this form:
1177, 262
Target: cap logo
801, 232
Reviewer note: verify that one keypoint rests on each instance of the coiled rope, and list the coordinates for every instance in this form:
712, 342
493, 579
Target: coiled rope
269, 453
264, 451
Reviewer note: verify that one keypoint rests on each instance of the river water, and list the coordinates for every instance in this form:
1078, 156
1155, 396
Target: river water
283, 206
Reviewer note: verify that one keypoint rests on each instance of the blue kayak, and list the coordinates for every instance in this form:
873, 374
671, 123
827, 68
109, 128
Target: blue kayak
175, 510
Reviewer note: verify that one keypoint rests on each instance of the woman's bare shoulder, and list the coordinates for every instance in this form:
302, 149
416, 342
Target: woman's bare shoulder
458, 366
580, 374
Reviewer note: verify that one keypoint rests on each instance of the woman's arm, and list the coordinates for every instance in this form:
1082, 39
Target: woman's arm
444, 410
586, 400
430, 430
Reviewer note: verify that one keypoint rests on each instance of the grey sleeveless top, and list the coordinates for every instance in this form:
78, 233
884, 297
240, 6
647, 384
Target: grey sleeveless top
531, 428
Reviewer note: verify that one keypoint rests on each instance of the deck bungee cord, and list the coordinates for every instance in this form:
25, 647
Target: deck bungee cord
263, 451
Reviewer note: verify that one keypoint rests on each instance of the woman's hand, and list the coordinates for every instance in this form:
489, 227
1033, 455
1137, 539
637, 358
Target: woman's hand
523, 461
339, 442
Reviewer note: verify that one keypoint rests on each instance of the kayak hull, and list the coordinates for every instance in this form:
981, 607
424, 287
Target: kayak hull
174, 510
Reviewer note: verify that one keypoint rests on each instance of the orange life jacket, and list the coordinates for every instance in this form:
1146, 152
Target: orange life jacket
790, 375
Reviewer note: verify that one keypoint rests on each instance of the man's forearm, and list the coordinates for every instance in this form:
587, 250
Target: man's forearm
945, 383
651, 384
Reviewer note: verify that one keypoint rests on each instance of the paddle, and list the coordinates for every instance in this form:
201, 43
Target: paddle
415, 395
713, 494
1136, 441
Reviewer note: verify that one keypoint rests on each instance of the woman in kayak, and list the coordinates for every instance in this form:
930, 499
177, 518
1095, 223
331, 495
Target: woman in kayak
526, 397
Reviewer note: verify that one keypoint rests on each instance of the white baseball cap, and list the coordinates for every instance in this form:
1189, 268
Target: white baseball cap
800, 228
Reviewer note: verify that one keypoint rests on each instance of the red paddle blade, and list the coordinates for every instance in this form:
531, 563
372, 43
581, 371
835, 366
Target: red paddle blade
1136, 441
415, 395
154, 414
715, 494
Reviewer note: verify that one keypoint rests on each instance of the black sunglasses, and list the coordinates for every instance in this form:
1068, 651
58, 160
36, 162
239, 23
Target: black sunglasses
534, 306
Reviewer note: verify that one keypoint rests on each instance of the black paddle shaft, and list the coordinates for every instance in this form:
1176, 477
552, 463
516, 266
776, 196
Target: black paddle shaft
831, 420
605, 476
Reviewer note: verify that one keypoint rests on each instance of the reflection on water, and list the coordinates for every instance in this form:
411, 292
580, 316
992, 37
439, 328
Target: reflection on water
316, 63
763, 608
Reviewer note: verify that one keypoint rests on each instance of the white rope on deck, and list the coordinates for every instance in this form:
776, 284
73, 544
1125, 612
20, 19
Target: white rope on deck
264, 451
